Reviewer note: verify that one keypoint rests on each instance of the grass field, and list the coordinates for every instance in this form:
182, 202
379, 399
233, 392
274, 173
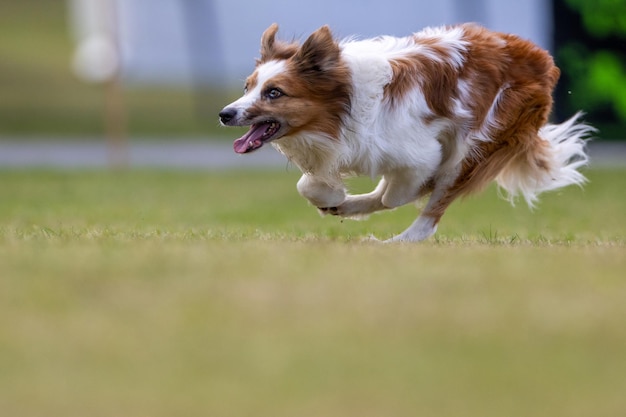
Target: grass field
152, 293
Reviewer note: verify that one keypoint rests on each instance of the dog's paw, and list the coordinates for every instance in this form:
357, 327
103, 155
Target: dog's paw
347, 210
333, 211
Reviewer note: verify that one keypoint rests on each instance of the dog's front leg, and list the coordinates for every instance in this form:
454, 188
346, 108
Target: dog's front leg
394, 190
359, 206
322, 192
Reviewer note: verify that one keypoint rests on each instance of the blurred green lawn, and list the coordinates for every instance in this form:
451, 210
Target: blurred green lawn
156, 293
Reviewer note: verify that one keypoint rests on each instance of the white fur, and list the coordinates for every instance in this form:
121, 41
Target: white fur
566, 156
451, 38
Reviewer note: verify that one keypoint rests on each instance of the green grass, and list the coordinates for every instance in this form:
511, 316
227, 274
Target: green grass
66, 205
148, 293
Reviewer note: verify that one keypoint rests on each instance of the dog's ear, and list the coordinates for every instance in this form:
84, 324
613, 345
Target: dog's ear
267, 41
275, 49
319, 52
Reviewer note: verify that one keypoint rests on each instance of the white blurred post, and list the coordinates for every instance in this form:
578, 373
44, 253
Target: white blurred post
98, 60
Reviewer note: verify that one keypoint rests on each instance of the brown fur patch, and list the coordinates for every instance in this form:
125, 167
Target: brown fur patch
405, 76
438, 79
318, 74
482, 72
529, 75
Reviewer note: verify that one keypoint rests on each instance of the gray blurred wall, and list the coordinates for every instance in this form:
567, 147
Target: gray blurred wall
179, 41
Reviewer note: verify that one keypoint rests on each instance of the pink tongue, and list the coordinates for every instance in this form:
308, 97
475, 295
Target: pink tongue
251, 140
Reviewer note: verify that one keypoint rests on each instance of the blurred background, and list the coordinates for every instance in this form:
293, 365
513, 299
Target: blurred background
164, 68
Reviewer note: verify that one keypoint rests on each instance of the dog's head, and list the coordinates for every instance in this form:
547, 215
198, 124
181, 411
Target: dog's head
292, 89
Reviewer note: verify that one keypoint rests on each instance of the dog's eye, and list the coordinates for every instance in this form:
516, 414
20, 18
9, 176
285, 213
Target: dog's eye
274, 93
245, 89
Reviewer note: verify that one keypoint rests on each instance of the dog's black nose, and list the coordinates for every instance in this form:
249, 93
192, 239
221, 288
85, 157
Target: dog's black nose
227, 115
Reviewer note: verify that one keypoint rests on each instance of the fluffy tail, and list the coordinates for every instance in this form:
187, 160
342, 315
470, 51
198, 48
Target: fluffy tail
549, 163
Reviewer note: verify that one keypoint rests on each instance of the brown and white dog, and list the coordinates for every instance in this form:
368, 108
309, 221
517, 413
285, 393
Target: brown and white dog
442, 112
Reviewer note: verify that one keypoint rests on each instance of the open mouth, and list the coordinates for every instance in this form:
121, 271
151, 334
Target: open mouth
257, 136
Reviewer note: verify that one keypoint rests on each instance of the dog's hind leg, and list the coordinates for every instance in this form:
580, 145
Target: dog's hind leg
426, 224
